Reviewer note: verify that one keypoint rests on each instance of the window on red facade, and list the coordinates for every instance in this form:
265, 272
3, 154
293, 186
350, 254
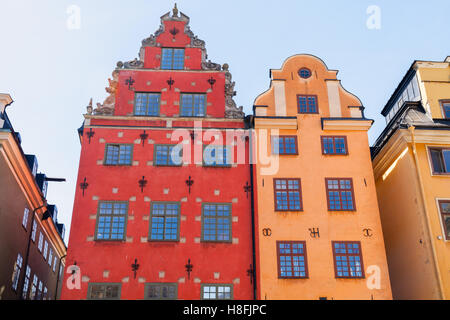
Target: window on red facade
340, 194
334, 145
288, 195
348, 261
161, 291
104, 291
147, 104
172, 59
292, 261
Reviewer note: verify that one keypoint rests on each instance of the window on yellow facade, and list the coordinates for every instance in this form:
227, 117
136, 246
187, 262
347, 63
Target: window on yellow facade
446, 108
444, 208
440, 159
348, 262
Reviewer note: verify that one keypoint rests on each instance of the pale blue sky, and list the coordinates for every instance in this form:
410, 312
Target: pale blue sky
52, 72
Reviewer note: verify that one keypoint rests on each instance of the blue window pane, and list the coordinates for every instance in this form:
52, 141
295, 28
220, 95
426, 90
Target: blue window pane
118, 154
216, 222
292, 260
307, 104
172, 59
111, 221
164, 221
304, 73
168, 155
348, 260
446, 107
340, 195
287, 195
217, 156
147, 104
193, 105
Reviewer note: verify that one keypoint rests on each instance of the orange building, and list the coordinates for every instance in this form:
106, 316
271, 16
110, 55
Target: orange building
318, 231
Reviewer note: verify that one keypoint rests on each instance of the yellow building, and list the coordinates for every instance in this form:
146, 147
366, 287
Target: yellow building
317, 221
411, 161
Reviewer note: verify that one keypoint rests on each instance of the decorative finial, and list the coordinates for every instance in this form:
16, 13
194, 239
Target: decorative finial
89, 107
175, 11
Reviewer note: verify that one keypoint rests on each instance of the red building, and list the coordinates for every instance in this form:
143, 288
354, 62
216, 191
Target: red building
146, 224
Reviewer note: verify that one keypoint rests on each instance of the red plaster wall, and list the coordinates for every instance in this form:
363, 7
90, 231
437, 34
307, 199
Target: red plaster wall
94, 257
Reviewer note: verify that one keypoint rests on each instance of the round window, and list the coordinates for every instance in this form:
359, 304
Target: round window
304, 73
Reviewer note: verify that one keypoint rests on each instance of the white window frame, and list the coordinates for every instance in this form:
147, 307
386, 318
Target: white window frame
41, 241
26, 213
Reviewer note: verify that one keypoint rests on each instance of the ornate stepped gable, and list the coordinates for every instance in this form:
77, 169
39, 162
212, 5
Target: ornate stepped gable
231, 109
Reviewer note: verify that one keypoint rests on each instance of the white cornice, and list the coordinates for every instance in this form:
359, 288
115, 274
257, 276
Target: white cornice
347, 124
279, 123
400, 140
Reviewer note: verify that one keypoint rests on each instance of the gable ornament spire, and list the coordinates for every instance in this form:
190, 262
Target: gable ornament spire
175, 11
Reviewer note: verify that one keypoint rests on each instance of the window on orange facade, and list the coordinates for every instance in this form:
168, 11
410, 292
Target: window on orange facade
340, 194
444, 208
307, 104
304, 73
288, 195
292, 261
285, 145
348, 261
334, 145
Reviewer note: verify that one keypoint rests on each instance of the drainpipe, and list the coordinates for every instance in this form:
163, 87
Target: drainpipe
251, 156
427, 218
59, 274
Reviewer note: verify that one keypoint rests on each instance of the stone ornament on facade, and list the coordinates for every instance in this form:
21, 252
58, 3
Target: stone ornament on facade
231, 109
108, 106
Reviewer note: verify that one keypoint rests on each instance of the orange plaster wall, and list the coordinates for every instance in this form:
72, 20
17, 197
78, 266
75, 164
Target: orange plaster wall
312, 168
